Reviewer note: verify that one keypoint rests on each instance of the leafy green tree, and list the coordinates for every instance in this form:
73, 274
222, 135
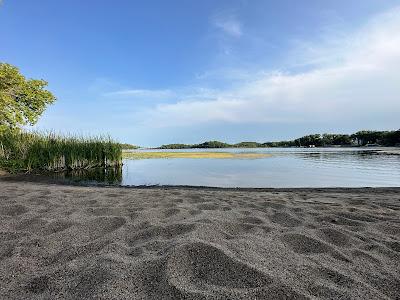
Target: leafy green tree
22, 100
247, 145
175, 146
335, 139
126, 146
212, 144
365, 137
308, 140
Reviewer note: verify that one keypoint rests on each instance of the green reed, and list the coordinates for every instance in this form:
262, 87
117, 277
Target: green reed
28, 151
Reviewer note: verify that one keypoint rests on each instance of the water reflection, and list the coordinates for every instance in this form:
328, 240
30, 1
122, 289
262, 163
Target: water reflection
327, 167
327, 154
109, 176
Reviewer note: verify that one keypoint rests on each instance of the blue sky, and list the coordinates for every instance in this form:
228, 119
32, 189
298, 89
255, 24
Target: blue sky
156, 72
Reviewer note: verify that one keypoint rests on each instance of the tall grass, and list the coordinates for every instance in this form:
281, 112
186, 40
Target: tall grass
28, 151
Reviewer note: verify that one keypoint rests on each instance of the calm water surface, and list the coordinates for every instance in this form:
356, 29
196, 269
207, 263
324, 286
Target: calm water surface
293, 167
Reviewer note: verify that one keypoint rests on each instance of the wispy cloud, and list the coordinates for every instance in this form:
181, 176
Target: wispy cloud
141, 93
360, 80
229, 24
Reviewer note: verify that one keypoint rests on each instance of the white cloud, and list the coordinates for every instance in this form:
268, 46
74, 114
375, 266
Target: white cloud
228, 24
141, 93
361, 80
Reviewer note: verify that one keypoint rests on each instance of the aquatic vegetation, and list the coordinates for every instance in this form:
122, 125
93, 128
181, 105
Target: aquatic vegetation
194, 155
28, 151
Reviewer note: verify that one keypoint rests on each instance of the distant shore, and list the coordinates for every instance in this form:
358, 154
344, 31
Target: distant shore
197, 243
192, 155
360, 138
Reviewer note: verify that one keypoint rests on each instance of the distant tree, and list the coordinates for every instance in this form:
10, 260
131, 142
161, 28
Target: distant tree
247, 145
335, 139
212, 144
22, 100
128, 146
365, 137
384, 138
175, 146
391, 138
308, 140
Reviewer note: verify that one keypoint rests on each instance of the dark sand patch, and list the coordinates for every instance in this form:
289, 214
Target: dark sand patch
303, 244
335, 237
284, 219
12, 210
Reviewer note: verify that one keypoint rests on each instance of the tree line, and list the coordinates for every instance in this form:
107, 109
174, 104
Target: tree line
360, 138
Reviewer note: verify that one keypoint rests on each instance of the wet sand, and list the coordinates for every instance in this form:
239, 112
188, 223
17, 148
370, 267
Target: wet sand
71, 242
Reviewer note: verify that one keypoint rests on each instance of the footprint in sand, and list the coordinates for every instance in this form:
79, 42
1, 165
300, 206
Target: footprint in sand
193, 198
33, 225
284, 219
57, 226
338, 220
73, 252
9, 236
6, 249
303, 244
104, 225
251, 220
92, 229
204, 266
335, 237
325, 292
269, 204
198, 270
357, 217
38, 285
13, 210
207, 206
333, 277
156, 232
365, 257
135, 252
171, 212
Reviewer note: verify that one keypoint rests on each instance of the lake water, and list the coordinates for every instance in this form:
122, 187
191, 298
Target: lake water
286, 167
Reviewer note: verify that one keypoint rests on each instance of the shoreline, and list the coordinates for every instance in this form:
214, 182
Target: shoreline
197, 243
42, 179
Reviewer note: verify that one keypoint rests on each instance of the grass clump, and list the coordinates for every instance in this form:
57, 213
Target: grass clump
194, 155
27, 151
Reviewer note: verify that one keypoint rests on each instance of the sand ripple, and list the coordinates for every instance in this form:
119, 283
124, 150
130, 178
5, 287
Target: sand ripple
108, 243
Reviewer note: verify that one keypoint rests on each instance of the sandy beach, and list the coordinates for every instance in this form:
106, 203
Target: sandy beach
74, 242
